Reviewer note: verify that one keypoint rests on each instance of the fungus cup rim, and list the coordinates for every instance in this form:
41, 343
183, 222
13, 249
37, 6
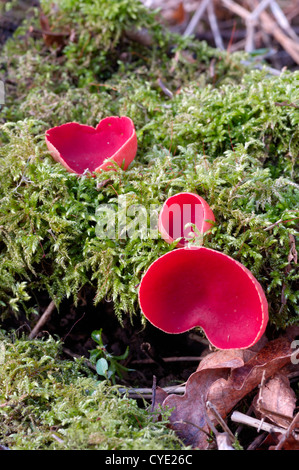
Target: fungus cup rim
206, 223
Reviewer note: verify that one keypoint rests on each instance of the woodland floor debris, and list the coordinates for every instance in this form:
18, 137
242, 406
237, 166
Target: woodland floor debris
208, 122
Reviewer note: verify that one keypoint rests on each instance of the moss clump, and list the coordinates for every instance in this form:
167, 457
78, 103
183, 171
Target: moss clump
100, 54
49, 403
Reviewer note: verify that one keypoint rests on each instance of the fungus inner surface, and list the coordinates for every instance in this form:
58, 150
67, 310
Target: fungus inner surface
202, 287
84, 147
180, 210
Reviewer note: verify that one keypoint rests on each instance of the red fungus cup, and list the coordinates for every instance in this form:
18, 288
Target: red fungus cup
180, 210
201, 287
80, 148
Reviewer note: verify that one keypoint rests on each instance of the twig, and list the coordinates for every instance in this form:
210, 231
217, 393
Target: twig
69, 332
272, 28
257, 441
199, 339
13, 403
58, 439
238, 417
250, 35
261, 388
154, 388
196, 18
258, 10
282, 20
241, 427
148, 392
214, 26
251, 23
288, 432
269, 25
78, 356
280, 221
2, 447
165, 90
270, 70
169, 359
220, 420
285, 103
223, 439
43, 319
238, 9
182, 421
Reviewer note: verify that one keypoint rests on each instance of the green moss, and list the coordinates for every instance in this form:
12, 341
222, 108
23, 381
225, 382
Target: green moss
100, 56
49, 403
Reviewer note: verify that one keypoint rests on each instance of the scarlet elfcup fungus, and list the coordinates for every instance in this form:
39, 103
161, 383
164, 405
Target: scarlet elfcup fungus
201, 287
180, 210
80, 148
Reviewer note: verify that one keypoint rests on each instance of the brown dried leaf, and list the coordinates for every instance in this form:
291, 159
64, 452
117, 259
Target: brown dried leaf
51, 38
276, 400
223, 379
225, 394
230, 358
55, 39
188, 418
175, 16
44, 22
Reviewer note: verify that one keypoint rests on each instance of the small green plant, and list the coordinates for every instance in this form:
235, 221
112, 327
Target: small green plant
107, 365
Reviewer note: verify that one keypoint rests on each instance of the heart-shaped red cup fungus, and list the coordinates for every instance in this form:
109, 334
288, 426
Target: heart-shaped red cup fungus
181, 209
201, 287
81, 148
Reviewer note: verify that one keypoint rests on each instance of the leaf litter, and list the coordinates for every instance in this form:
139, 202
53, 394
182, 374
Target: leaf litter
221, 382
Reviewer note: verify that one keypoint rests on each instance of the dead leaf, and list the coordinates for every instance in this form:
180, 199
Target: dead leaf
188, 417
276, 400
223, 379
225, 394
175, 16
51, 38
44, 22
230, 358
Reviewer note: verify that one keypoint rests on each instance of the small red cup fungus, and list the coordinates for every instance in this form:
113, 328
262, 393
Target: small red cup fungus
80, 148
180, 210
201, 287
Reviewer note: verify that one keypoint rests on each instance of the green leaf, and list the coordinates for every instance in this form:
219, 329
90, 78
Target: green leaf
102, 367
96, 335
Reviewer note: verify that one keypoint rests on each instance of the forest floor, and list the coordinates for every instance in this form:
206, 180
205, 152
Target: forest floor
158, 360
